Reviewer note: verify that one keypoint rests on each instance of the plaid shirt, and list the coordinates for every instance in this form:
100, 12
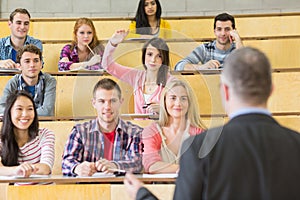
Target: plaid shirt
6, 46
86, 143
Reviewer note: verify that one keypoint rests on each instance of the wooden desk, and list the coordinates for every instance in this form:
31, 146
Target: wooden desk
58, 179
91, 188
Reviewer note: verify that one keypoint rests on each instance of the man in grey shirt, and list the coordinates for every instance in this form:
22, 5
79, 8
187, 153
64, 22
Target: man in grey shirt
40, 85
211, 55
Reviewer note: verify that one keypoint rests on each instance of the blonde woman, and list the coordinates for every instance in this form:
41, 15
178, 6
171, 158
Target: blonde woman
178, 119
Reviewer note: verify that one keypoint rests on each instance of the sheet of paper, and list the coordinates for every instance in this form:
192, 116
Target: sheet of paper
34, 176
20, 177
172, 175
102, 175
9, 70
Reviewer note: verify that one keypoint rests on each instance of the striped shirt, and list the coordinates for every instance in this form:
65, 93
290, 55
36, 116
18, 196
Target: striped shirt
86, 143
204, 53
38, 150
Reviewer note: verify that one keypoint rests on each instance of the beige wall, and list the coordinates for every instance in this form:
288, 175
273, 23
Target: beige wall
127, 8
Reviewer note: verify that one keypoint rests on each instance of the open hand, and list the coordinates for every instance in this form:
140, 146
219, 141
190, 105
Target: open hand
118, 37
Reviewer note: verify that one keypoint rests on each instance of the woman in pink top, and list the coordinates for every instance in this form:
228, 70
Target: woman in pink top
148, 83
178, 119
24, 148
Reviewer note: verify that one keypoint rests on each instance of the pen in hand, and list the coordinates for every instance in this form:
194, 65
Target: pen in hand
90, 49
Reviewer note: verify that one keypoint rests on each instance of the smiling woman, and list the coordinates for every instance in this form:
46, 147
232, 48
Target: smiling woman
24, 148
178, 119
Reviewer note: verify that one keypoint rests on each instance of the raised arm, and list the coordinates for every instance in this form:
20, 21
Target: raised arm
124, 73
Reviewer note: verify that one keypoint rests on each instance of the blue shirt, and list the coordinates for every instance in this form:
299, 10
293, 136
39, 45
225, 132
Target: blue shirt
30, 89
6, 48
249, 110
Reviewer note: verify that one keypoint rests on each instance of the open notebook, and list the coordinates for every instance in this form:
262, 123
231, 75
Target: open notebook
9, 70
83, 69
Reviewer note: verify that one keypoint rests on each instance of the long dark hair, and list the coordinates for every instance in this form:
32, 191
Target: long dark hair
9, 147
141, 19
163, 49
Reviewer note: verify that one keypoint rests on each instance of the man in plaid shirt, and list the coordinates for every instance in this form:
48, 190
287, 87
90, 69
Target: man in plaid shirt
106, 143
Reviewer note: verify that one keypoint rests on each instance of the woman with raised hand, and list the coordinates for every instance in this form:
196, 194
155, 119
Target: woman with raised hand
148, 23
24, 148
178, 119
85, 51
147, 84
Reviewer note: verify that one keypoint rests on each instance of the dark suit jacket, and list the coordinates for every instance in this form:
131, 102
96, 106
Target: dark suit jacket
254, 158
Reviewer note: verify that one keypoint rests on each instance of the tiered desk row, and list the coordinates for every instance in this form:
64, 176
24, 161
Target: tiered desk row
278, 35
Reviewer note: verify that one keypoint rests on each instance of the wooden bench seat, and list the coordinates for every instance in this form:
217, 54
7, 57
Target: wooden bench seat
283, 53
74, 93
280, 43
249, 26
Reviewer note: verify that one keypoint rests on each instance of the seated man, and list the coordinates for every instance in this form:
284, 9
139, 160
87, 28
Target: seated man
211, 55
18, 23
104, 144
42, 86
250, 157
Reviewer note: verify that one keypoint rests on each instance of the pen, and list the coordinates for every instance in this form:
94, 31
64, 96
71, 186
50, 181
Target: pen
146, 105
117, 170
90, 49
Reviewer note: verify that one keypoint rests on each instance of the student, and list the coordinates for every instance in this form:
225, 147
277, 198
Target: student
106, 143
85, 51
148, 83
148, 23
211, 55
41, 86
24, 148
178, 119
250, 157
18, 23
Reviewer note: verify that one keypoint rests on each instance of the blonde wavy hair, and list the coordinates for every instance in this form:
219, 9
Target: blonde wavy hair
192, 113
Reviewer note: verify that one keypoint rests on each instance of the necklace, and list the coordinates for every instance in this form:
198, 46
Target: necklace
150, 87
